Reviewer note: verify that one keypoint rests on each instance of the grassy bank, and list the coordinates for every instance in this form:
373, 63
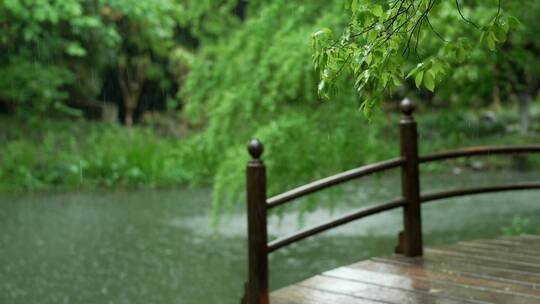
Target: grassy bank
43, 154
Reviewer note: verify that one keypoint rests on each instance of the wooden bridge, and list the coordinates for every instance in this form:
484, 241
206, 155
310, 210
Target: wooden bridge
505, 270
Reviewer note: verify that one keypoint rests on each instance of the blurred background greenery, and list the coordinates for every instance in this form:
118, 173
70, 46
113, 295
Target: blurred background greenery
161, 93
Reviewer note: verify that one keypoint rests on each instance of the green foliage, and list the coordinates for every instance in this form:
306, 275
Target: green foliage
211, 20
48, 154
376, 45
146, 25
300, 151
259, 82
72, 42
67, 156
34, 86
251, 74
519, 225
510, 70
43, 44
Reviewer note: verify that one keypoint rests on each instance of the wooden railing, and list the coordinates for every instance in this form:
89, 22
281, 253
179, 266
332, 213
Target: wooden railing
410, 239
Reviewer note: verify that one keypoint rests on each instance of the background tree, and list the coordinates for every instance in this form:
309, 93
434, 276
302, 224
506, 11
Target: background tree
42, 46
147, 29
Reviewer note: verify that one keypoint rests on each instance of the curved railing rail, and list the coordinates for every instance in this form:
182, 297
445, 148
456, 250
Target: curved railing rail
355, 215
479, 190
333, 180
410, 239
479, 151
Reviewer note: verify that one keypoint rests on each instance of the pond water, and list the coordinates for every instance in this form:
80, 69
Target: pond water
159, 246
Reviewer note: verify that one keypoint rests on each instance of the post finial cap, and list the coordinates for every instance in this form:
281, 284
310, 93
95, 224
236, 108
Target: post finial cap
407, 106
255, 148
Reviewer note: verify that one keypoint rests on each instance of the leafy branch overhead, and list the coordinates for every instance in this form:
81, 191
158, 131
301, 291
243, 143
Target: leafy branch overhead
382, 45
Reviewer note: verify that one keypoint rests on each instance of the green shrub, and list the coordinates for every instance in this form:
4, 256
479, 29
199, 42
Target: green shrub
33, 86
69, 155
519, 225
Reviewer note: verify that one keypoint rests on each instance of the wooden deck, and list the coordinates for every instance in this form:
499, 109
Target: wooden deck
504, 270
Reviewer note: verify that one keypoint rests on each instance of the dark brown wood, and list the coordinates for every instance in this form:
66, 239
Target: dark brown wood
468, 266
486, 245
485, 271
464, 291
479, 190
420, 272
381, 166
499, 254
302, 294
525, 239
487, 258
439, 276
364, 212
375, 292
410, 182
333, 180
514, 245
257, 284
478, 151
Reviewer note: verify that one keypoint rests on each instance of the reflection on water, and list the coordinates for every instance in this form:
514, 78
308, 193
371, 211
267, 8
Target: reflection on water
159, 247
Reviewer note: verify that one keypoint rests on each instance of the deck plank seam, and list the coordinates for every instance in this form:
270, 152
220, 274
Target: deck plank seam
469, 274
442, 282
424, 293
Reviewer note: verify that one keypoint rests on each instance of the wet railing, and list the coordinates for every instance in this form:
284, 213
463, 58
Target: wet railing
410, 239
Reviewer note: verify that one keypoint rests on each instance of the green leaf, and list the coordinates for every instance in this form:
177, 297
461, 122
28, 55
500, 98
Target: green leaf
372, 35
396, 81
429, 81
513, 22
324, 33
354, 5
415, 70
418, 79
500, 32
377, 11
437, 68
491, 40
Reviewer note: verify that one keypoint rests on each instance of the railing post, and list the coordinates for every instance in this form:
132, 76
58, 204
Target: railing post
411, 238
257, 285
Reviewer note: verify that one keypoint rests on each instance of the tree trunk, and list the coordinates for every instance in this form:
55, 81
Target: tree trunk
525, 100
524, 116
130, 103
131, 79
496, 99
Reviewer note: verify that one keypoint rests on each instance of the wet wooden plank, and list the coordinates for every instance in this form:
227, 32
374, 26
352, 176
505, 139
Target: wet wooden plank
500, 271
507, 255
440, 288
470, 268
528, 238
303, 295
418, 272
512, 244
376, 292
524, 251
519, 266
